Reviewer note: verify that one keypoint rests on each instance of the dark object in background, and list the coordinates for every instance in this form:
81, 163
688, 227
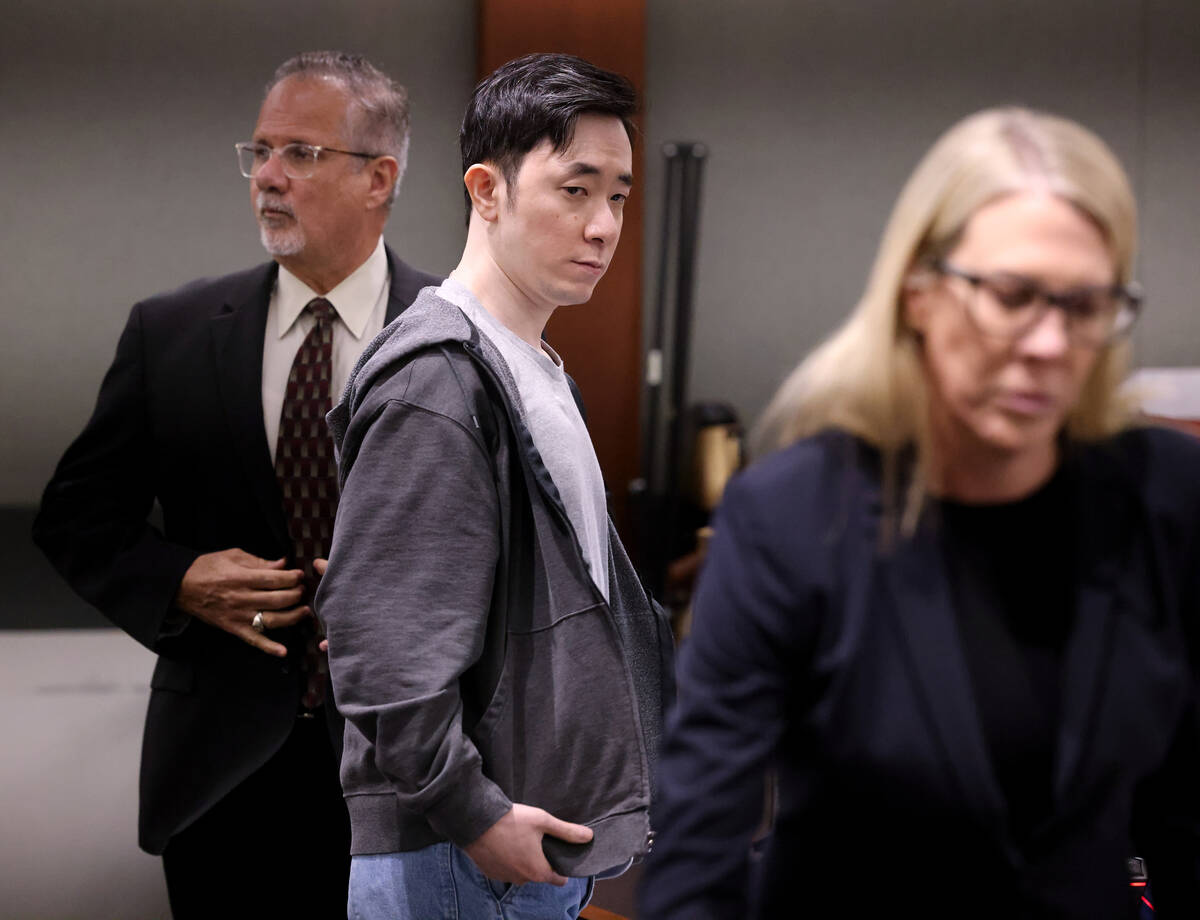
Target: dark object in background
713, 435
654, 496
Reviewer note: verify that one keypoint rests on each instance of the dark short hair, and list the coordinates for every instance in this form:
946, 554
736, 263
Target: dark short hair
378, 120
534, 98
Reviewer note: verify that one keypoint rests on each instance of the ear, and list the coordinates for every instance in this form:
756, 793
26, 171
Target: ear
485, 186
916, 299
383, 172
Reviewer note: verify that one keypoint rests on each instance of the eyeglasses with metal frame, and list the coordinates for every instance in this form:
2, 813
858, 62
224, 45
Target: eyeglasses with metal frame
1007, 306
299, 161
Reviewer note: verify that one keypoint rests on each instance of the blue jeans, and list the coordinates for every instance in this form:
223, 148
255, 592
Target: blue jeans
441, 882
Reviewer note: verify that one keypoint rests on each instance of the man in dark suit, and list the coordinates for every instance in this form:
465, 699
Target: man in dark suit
214, 408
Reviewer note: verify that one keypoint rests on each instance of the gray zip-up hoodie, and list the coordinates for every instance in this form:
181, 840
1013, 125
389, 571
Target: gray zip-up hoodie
474, 659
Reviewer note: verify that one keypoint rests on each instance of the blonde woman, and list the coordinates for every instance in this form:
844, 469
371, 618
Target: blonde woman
951, 613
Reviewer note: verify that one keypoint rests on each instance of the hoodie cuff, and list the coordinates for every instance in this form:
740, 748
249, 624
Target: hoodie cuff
470, 808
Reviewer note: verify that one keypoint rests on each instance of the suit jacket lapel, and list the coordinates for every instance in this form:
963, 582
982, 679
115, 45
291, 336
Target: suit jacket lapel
405, 284
1105, 524
924, 621
928, 635
238, 331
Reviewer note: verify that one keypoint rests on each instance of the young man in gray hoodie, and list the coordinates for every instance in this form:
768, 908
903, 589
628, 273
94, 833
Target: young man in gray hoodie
500, 667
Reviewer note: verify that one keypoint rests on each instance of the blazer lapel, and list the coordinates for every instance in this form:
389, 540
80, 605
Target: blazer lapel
238, 332
1103, 512
405, 284
923, 617
396, 302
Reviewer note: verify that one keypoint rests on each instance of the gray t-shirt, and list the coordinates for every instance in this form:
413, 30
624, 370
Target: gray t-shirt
557, 428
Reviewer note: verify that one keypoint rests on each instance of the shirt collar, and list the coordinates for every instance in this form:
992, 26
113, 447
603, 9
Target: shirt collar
353, 299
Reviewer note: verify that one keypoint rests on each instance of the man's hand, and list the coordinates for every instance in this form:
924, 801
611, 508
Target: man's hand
226, 589
511, 849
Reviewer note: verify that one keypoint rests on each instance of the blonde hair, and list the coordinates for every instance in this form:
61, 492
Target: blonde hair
867, 377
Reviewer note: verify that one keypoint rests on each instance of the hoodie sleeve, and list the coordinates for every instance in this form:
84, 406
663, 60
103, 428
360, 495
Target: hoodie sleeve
405, 604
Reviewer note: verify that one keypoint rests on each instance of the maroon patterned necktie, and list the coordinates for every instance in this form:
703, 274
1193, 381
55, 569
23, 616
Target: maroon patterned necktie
307, 471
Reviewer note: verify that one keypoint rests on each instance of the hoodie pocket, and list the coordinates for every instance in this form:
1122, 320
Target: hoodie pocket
562, 731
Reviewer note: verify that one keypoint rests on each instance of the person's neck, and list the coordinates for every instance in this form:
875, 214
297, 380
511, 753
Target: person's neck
500, 296
323, 277
968, 471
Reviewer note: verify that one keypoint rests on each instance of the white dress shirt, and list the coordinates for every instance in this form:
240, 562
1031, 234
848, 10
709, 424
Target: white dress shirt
360, 302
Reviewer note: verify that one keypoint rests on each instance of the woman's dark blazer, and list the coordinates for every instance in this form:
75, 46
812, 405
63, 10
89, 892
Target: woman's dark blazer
837, 665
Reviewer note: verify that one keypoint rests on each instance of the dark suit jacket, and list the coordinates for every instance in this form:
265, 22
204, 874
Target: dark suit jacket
838, 664
179, 421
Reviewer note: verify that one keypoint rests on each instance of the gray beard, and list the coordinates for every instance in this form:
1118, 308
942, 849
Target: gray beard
281, 242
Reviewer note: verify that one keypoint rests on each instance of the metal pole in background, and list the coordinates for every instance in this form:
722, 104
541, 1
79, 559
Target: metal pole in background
654, 355
656, 492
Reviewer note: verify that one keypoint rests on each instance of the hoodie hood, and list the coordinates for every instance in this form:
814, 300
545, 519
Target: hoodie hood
431, 321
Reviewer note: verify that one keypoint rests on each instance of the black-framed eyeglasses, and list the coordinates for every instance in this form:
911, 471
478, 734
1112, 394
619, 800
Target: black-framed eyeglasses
1007, 306
299, 161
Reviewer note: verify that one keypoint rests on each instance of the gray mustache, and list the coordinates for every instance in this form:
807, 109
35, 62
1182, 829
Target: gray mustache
265, 201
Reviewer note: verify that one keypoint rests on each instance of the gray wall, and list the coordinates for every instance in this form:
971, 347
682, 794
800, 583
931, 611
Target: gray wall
815, 112
118, 175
